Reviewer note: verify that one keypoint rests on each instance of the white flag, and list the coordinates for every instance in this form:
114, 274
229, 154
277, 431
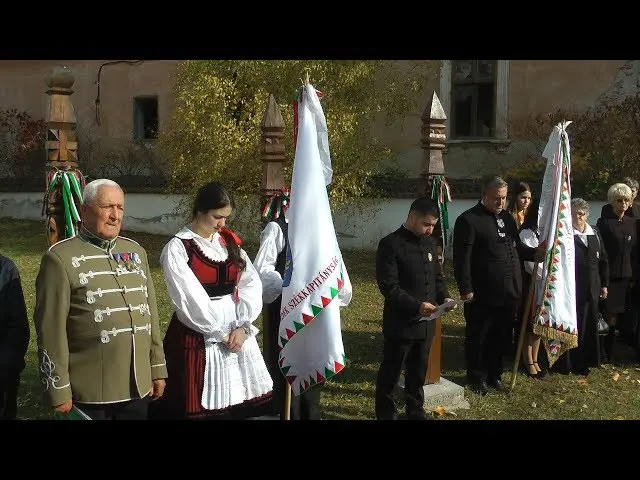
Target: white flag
555, 294
315, 282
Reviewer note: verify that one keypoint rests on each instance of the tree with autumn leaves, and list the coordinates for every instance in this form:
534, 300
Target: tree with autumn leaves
604, 139
215, 131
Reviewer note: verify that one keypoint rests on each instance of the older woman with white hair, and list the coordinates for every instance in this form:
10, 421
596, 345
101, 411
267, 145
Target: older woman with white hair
592, 281
618, 233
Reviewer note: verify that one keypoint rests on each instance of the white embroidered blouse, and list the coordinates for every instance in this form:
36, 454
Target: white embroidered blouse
230, 378
213, 319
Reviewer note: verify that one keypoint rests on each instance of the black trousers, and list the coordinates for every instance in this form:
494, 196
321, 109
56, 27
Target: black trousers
487, 338
9, 396
413, 355
130, 410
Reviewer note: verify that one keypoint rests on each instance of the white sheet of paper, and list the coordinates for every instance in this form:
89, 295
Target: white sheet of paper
442, 310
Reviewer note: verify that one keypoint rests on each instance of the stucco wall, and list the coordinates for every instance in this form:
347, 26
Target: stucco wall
23, 87
357, 227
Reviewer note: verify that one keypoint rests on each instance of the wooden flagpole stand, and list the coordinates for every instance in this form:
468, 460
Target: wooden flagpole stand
523, 325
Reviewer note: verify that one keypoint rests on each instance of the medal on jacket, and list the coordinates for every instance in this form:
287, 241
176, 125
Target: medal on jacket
128, 260
429, 256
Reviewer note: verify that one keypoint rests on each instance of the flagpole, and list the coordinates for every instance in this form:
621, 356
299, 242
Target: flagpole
523, 326
287, 402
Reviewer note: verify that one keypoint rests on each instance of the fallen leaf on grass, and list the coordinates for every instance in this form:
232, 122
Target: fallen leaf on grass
561, 400
534, 405
619, 418
582, 381
625, 372
616, 376
584, 406
439, 411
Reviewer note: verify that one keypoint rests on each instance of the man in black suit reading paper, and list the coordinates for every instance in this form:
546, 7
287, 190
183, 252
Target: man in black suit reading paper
409, 277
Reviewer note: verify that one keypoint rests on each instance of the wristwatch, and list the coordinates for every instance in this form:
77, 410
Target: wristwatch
247, 328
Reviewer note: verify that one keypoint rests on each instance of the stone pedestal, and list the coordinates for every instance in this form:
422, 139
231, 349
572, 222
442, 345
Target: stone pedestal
443, 393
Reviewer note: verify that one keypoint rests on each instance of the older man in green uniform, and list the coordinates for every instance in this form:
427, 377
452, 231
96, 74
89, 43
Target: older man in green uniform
99, 343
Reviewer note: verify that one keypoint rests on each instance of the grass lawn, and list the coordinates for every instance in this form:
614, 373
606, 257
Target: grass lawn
611, 392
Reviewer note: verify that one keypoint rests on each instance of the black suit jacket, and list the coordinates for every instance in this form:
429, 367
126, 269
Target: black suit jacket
487, 255
14, 323
408, 273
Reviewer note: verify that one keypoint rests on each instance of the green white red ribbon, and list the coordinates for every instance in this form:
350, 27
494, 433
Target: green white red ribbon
441, 193
276, 204
71, 184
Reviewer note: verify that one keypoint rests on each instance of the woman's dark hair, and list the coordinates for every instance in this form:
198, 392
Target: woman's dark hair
531, 217
517, 189
214, 196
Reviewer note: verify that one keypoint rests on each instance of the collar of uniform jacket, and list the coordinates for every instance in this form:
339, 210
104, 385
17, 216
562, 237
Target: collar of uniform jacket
87, 236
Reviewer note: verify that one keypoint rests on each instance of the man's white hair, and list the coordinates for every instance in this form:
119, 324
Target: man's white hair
91, 189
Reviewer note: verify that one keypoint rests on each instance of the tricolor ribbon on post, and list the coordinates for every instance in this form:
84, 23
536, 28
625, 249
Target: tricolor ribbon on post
71, 183
276, 205
441, 193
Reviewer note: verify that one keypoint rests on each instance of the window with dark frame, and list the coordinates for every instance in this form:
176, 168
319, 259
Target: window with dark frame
145, 118
473, 99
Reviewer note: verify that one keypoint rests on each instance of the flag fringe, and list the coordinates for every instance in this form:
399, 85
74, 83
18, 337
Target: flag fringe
570, 339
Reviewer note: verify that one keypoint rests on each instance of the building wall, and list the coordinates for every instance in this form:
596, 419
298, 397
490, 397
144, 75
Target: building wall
359, 227
534, 86
23, 87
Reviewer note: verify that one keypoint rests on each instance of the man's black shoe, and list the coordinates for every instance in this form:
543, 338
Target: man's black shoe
420, 416
481, 388
387, 417
498, 385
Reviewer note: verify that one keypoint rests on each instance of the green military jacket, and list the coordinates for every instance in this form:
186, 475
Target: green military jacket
96, 321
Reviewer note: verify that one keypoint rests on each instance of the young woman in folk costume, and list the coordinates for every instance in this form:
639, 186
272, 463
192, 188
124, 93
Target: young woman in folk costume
519, 202
530, 236
216, 369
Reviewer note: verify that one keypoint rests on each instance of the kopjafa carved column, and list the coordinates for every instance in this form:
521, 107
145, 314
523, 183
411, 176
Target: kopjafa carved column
64, 182
434, 185
274, 191
274, 198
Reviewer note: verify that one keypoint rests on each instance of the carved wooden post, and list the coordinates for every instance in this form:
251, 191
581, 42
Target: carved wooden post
272, 155
433, 142
62, 155
272, 150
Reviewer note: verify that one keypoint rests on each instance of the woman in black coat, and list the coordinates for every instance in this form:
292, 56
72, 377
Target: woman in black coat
592, 280
618, 233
